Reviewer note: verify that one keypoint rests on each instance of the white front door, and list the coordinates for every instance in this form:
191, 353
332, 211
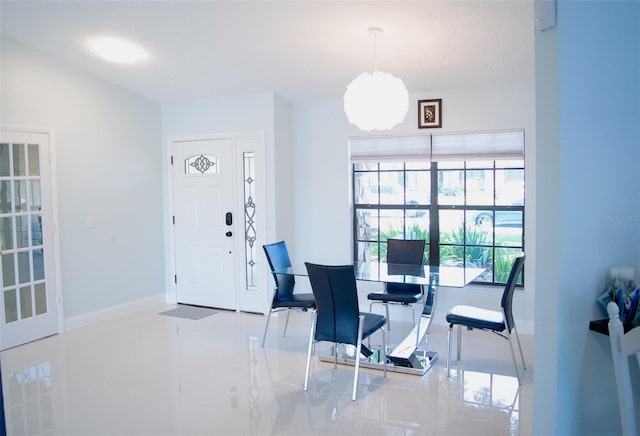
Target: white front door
203, 213
29, 302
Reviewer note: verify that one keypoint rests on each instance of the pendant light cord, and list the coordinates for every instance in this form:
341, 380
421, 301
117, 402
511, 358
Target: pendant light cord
375, 51
375, 31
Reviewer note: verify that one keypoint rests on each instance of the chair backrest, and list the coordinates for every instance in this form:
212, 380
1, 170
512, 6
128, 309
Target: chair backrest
623, 345
509, 288
278, 257
405, 252
334, 289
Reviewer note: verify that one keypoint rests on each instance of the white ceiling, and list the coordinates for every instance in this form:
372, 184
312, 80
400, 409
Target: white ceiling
298, 49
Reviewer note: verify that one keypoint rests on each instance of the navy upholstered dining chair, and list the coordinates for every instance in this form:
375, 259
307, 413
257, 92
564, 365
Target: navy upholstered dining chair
489, 320
337, 317
405, 252
283, 296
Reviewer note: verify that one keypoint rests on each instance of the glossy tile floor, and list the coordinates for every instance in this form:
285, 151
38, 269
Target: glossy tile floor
149, 374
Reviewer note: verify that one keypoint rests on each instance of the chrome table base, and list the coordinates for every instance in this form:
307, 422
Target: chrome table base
422, 360
405, 357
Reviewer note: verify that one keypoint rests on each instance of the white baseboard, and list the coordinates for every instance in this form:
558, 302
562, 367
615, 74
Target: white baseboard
112, 312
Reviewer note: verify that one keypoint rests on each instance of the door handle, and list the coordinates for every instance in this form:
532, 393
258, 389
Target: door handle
229, 234
228, 219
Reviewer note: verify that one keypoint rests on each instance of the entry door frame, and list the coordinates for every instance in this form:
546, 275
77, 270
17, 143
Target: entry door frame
255, 301
56, 274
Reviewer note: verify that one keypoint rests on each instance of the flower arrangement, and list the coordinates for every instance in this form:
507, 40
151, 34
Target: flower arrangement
626, 295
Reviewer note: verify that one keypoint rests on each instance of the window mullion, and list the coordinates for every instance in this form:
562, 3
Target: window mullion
434, 218
354, 213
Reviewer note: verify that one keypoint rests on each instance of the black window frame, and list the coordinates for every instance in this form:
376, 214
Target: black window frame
434, 244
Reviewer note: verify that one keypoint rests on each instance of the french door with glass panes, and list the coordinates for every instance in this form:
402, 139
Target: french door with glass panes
29, 303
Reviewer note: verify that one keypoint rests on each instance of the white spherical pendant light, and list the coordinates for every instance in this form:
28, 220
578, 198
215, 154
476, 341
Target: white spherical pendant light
377, 101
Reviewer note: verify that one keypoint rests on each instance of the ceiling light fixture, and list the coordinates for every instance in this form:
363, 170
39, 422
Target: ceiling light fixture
117, 50
377, 101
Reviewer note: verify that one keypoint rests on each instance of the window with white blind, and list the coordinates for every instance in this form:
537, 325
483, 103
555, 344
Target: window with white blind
462, 193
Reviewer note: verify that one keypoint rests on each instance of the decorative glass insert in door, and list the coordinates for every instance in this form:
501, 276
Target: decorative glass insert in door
249, 219
21, 243
202, 164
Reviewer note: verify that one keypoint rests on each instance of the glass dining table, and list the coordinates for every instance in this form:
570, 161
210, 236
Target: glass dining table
404, 357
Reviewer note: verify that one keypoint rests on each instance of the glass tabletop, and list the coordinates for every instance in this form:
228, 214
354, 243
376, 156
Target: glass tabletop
452, 276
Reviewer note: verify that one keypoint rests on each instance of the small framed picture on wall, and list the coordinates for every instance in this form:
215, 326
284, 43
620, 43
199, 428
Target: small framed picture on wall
429, 113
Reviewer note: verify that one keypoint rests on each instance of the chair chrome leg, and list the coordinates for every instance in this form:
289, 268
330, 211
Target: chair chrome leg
384, 351
386, 311
311, 334
513, 357
286, 323
459, 351
358, 348
524, 365
449, 351
266, 327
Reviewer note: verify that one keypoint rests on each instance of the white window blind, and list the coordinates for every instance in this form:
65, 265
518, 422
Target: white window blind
398, 148
474, 146
445, 146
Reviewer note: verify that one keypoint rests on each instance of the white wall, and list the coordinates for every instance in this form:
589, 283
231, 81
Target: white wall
588, 155
547, 217
282, 171
322, 174
108, 166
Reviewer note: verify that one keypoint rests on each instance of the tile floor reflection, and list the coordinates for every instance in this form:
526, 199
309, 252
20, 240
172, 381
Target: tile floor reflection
147, 374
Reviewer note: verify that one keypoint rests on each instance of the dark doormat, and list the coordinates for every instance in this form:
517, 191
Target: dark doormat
189, 312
